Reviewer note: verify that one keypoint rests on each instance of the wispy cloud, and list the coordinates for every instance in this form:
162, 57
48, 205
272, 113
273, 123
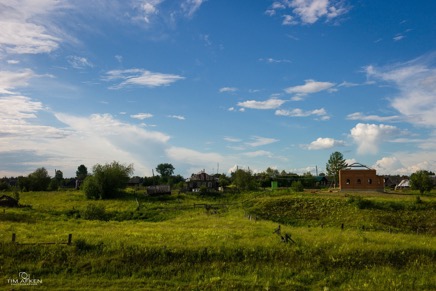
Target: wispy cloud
307, 11
310, 87
140, 77
79, 62
324, 143
416, 83
274, 61
179, 117
362, 117
228, 89
190, 7
257, 141
12, 80
141, 116
297, 112
25, 28
272, 103
260, 153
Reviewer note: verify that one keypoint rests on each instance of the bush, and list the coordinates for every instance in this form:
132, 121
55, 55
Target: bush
91, 188
107, 180
297, 186
95, 212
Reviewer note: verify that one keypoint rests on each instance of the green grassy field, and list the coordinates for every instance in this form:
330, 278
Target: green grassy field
343, 241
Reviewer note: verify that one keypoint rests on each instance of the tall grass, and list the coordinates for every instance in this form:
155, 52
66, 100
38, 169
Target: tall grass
193, 249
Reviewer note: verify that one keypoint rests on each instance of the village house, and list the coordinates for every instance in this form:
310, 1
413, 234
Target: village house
202, 179
358, 177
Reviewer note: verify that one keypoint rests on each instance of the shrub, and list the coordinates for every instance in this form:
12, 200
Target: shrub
95, 212
297, 186
91, 188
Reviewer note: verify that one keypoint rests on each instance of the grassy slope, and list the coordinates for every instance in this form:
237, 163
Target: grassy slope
190, 248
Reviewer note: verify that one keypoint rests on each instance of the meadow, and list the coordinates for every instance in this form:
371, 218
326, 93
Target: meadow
341, 241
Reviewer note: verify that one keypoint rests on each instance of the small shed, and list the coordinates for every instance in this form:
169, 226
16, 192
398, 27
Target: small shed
7, 201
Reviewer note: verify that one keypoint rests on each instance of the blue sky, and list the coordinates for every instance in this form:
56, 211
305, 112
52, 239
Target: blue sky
217, 84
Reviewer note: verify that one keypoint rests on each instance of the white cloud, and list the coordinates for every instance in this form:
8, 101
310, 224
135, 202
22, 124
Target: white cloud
232, 139
98, 138
398, 37
310, 87
228, 89
79, 62
193, 157
324, 143
274, 61
11, 80
361, 116
13, 62
406, 163
260, 153
179, 117
416, 83
261, 141
368, 137
297, 112
189, 7
141, 116
309, 11
140, 77
288, 20
272, 103
25, 26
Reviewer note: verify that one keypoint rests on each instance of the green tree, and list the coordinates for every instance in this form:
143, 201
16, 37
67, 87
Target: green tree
244, 180
39, 180
107, 180
81, 172
335, 163
165, 170
420, 180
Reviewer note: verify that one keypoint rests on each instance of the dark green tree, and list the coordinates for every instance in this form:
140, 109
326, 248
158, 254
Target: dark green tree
39, 180
165, 169
107, 180
335, 163
420, 180
81, 172
244, 180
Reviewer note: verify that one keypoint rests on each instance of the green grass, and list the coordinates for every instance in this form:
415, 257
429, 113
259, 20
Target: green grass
166, 243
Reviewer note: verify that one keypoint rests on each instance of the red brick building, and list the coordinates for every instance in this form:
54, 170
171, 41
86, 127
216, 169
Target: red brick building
358, 177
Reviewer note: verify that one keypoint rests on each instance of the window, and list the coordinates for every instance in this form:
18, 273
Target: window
369, 181
348, 182
359, 181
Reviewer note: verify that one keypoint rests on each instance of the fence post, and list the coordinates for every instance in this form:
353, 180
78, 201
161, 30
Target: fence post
13, 238
342, 226
70, 238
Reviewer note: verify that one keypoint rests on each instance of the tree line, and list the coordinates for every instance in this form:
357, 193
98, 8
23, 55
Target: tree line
108, 180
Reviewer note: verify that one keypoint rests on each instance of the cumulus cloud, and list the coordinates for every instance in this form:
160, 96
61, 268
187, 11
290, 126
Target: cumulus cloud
308, 11
272, 103
368, 137
140, 77
416, 83
310, 87
324, 143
